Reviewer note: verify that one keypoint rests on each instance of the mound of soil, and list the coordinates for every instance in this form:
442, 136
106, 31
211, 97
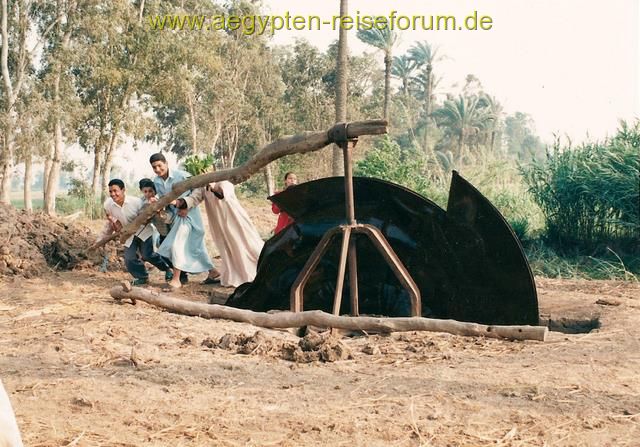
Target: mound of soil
312, 347
33, 243
315, 347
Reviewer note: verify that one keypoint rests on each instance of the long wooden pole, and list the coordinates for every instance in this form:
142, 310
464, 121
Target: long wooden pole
298, 144
322, 319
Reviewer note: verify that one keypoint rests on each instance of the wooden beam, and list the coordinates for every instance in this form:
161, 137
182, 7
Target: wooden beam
301, 143
322, 319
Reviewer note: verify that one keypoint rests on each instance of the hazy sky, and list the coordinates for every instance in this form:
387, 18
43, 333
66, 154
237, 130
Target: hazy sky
571, 64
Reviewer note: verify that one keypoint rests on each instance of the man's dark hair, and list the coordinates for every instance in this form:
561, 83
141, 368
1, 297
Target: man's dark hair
147, 183
157, 157
288, 174
117, 182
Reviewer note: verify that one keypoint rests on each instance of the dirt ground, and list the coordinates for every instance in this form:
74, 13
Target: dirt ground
83, 370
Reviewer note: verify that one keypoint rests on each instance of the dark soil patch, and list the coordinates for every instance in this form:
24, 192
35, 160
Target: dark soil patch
35, 243
574, 325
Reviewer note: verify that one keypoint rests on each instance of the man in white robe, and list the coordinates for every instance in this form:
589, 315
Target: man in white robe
232, 231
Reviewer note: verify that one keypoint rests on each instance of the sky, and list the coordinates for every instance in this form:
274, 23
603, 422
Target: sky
573, 65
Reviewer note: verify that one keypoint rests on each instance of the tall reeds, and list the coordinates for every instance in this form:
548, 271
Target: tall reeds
590, 194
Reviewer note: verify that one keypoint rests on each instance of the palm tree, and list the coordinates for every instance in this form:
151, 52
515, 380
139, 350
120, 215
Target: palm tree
383, 39
402, 69
462, 117
341, 87
494, 110
418, 83
424, 56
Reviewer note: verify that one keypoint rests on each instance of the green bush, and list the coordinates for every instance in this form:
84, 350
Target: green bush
520, 227
79, 188
590, 195
79, 198
406, 167
501, 183
196, 165
518, 209
69, 204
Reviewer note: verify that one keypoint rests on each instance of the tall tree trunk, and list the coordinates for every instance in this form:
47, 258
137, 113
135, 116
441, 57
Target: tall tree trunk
108, 161
192, 119
12, 91
95, 195
54, 172
268, 178
28, 177
46, 171
97, 164
427, 106
387, 83
341, 88
140, 11
234, 146
493, 140
216, 136
461, 148
268, 174
7, 159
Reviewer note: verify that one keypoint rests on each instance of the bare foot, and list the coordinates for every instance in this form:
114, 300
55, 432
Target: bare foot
174, 284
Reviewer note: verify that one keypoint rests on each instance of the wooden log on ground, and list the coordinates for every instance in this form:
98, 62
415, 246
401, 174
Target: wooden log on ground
322, 319
301, 143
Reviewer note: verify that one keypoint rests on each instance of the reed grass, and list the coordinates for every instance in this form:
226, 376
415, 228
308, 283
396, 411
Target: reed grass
589, 195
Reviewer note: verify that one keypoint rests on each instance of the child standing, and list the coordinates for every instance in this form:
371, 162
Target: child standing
160, 221
284, 220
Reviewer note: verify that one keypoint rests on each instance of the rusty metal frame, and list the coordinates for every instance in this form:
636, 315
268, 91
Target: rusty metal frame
348, 248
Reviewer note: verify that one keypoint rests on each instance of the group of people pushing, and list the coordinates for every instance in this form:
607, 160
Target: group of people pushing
179, 229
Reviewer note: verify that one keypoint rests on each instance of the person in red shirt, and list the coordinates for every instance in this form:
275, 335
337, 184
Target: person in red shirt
284, 220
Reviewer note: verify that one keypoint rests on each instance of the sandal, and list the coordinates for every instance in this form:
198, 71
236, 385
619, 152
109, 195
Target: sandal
209, 280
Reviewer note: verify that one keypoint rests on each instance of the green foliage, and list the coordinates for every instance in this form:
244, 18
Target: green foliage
502, 184
403, 68
383, 39
517, 209
196, 165
547, 262
69, 204
520, 227
463, 119
590, 195
19, 203
522, 142
387, 161
79, 189
79, 198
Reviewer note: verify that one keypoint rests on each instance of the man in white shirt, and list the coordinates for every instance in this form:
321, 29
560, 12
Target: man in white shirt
122, 209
